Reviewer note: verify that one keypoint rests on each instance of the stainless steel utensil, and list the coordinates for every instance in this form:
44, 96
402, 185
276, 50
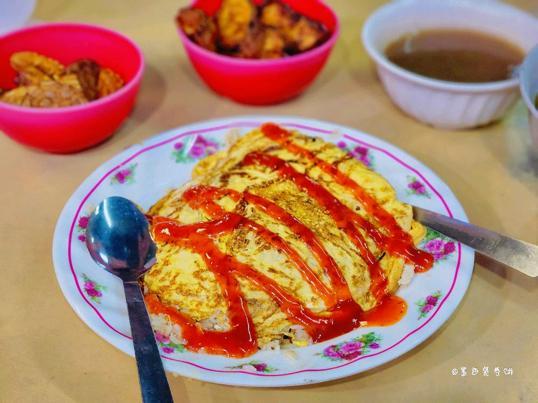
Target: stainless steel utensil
516, 254
118, 239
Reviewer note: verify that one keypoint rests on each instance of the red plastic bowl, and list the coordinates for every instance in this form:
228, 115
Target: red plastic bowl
73, 128
269, 81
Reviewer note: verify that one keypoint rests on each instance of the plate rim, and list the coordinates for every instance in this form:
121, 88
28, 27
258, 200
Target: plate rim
461, 278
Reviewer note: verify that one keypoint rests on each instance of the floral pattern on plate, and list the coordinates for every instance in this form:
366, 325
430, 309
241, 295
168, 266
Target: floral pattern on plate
200, 148
254, 366
426, 305
349, 350
416, 187
124, 175
82, 224
168, 346
439, 245
361, 153
93, 290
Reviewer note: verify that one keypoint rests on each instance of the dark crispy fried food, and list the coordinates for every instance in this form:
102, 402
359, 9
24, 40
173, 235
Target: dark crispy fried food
299, 32
87, 73
242, 29
305, 34
278, 15
108, 82
251, 46
273, 44
198, 27
234, 21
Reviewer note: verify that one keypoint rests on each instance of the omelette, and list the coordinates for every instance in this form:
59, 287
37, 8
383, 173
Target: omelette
280, 240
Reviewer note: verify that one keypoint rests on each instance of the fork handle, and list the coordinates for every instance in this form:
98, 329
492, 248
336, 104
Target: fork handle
511, 252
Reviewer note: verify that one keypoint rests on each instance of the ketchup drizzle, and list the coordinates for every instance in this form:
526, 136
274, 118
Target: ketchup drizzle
343, 313
399, 242
203, 197
240, 340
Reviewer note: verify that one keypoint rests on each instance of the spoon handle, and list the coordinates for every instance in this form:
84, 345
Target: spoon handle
153, 382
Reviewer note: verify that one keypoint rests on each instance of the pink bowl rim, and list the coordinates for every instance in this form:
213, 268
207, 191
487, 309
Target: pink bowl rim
242, 62
93, 104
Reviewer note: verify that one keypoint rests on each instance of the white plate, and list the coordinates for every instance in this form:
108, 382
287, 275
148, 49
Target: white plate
145, 172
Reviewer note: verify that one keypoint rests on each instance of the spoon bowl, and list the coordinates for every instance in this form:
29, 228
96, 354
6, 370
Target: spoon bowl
118, 238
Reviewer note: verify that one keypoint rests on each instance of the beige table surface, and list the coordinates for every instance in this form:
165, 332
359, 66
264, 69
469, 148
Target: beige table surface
48, 355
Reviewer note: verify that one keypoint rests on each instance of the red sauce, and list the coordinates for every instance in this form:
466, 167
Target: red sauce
240, 340
341, 214
399, 242
203, 197
390, 311
197, 197
343, 313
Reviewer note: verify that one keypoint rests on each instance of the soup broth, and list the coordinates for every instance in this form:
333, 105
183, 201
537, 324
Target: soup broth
456, 55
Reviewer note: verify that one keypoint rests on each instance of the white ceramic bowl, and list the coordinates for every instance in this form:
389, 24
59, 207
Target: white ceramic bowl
439, 103
528, 84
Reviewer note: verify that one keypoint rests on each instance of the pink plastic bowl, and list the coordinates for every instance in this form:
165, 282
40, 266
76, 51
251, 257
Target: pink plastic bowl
72, 128
262, 82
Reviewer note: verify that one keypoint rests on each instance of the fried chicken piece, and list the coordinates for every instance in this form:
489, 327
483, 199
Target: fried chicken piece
252, 45
278, 15
234, 22
108, 82
33, 68
273, 44
299, 32
86, 72
200, 28
305, 34
45, 94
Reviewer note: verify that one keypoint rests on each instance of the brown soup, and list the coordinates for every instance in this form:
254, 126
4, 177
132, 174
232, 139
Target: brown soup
456, 55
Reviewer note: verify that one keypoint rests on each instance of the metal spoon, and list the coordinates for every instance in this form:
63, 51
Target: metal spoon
118, 240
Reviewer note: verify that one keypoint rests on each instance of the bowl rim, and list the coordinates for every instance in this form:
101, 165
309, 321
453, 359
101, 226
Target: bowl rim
525, 92
379, 57
243, 62
133, 82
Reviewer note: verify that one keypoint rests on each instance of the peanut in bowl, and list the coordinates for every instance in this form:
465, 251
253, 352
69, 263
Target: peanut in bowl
65, 129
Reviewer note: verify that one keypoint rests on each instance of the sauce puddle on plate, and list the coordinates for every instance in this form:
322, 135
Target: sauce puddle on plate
456, 55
